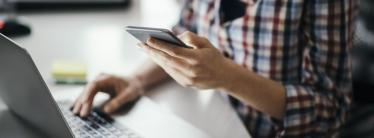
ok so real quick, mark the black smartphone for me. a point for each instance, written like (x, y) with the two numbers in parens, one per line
(144, 33)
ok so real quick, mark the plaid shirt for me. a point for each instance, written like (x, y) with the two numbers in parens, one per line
(305, 44)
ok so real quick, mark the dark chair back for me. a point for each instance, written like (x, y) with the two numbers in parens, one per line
(363, 54)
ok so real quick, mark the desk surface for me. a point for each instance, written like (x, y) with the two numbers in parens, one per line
(97, 37)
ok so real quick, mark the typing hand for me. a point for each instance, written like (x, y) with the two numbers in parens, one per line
(120, 89)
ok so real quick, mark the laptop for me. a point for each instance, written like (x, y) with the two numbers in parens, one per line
(27, 96)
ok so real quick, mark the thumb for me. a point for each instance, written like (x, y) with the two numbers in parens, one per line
(116, 102)
(191, 39)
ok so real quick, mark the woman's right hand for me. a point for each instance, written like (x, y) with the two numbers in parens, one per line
(121, 91)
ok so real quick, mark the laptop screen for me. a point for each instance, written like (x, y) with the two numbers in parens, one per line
(26, 94)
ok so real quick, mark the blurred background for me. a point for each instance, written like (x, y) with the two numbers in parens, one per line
(87, 31)
(92, 32)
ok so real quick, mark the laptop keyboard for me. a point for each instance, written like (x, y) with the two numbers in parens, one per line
(96, 125)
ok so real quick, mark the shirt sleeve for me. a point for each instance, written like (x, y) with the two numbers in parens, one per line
(187, 20)
(319, 104)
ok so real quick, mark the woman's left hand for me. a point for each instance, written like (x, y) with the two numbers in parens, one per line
(204, 67)
(201, 66)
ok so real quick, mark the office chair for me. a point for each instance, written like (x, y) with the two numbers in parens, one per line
(361, 116)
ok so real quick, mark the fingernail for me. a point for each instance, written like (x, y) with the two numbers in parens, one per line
(75, 112)
(83, 114)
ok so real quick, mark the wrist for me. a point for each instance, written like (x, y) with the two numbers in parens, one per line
(235, 79)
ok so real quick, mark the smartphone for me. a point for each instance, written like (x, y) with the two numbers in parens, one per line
(144, 33)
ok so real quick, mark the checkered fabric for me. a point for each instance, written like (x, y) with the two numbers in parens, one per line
(304, 44)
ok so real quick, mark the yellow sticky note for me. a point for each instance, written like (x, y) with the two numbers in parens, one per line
(69, 69)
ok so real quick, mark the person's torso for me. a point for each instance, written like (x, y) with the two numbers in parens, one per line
(263, 35)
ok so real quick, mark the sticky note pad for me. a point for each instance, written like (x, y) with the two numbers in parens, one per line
(69, 72)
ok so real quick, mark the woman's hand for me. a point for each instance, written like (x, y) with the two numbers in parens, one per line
(205, 67)
(121, 90)
(202, 66)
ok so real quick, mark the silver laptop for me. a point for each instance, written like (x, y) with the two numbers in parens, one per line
(27, 96)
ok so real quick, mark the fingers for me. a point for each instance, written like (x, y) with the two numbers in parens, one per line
(170, 49)
(82, 106)
(77, 108)
(194, 40)
(115, 103)
(170, 65)
(166, 60)
(120, 89)
(86, 109)
(179, 76)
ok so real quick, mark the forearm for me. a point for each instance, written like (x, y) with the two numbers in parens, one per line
(261, 93)
(150, 74)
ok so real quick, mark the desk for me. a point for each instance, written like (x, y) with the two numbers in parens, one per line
(97, 37)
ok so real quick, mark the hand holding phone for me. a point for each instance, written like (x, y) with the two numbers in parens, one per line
(144, 33)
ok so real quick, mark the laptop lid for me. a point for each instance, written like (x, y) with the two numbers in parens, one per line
(26, 94)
